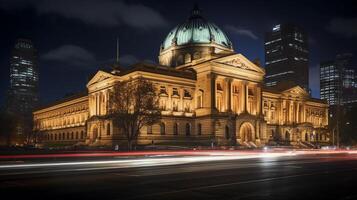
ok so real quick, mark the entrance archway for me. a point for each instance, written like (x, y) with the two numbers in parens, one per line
(246, 132)
(306, 137)
(94, 133)
(287, 136)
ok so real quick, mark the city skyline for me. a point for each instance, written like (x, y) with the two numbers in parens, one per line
(73, 46)
(186, 99)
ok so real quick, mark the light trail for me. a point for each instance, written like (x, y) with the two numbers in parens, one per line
(172, 153)
(145, 162)
(114, 154)
(188, 157)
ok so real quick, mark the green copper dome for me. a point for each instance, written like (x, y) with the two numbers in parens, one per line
(196, 30)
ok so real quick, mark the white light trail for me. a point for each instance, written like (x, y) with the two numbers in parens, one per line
(145, 162)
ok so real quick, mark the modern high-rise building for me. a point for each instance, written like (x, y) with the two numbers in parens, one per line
(23, 92)
(287, 55)
(338, 81)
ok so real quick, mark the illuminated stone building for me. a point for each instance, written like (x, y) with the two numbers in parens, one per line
(208, 93)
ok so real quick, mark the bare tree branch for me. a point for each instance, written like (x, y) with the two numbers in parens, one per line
(134, 104)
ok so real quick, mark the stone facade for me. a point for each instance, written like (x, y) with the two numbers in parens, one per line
(214, 96)
(220, 101)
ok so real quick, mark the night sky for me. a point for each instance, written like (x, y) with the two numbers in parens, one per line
(74, 38)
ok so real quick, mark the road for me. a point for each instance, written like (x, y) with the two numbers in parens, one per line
(281, 176)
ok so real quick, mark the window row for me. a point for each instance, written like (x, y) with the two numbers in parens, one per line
(66, 136)
(188, 129)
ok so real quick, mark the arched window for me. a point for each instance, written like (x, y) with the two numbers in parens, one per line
(149, 130)
(175, 129)
(200, 99)
(196, 55)
(219, 101)
(55, 136)
(63, 136)
(67, 136)
(72, 135)
(162, 129)
(226, 133)
(188, 129)
(95, 133)
(108, 129)
(187, 58)
(199, 129)
(179, 60)
(76, 135)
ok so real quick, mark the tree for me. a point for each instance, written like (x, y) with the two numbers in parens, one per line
(134, 104)
(349, 126)
(7, 128)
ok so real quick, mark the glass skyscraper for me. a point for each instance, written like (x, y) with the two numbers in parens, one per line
(338, 81)
(23, 92)
(287, 55)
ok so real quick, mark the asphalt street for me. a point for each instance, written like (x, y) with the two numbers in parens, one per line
(321, 176)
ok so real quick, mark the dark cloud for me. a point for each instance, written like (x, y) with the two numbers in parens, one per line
(241, 31)
(127, 60)
(99, 13)
(346, 27)
(71, 55)
(93, 25)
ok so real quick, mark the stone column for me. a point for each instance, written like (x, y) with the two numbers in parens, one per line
(242, 98)
(303, 113)
(212, 79)
(181, 93)
(228, 94)
(99, 103)
(288, 111)
(257, 130)
(246, 95)
(259, 100)
(107, 108)
(285, 115)
(326, 117)
(292, 106)
(96, 104)
(297, 112)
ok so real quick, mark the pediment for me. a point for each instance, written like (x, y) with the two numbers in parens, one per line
(99, 76)
(241, 62)
(296, 91)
